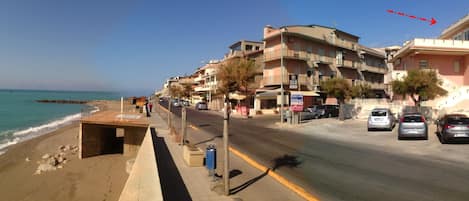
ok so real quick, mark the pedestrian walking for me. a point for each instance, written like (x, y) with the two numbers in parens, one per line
(151, 106)
(146, 109)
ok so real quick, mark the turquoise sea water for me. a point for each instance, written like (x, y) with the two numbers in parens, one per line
(22, 118)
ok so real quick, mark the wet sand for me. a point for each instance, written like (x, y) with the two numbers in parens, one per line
(92, 179)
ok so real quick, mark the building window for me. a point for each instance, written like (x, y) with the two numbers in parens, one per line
(248, 47)
(466, 35)
(423, 64)
(456, 67)
(257, 47)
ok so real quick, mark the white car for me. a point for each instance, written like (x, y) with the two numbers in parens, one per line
(381, 118)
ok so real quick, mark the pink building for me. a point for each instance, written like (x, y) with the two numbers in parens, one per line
(448, 55)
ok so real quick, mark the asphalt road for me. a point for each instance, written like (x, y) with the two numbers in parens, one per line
(334, 170)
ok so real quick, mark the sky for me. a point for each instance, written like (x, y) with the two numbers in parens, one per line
(133, 46)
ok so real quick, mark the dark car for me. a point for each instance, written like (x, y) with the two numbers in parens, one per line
(316, 110)
(412, 125)
(331, 111)
(453, 127)
(201, 106)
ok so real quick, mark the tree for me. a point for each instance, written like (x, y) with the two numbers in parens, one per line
(186, 91)
(236, 75)
(340, 89)
(362, 91)
(419, 85)
(175, 91)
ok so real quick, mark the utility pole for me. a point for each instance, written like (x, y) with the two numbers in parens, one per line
(169, 106)
(282, 89)
(183, 125)
(226, 168)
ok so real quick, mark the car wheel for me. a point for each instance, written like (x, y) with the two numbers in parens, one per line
(426, 137)
(369, 129)
(443, 140)
(399, 137)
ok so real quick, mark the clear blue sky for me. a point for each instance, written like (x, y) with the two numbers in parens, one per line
(134, 45)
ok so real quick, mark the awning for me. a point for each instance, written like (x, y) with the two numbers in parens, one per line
(237, 96)
(305, 93)
(266, 95)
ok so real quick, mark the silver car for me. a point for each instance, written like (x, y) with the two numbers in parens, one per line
(381, 118)
(453, 127)
(412, 125)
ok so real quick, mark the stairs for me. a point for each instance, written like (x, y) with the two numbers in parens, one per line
(456, 94)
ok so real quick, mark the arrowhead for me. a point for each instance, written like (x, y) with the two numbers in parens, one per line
(433, 21)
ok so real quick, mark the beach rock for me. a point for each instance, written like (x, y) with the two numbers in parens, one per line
(45, 167)
(45, 156)
(61, 147)
(60, 166)
(60, 159)
(68, 147)
(37, 172)
(51, 161)
(27, 159)
(65, 161)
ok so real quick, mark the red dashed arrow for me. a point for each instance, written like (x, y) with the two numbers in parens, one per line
(432, 20)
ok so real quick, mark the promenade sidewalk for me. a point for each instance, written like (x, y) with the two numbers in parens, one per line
(246, 183)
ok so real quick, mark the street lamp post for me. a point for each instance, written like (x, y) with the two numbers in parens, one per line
(282, 90)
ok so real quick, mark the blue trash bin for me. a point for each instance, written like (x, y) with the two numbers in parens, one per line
(211, 157)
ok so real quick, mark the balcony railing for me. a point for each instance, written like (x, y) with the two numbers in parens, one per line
(347, 64)
(373, 69)
(340, 43)
(303, 79)
(287, 54)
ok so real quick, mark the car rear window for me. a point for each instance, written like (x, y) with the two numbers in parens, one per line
(413, 118)
(458, 120)
(379, 113)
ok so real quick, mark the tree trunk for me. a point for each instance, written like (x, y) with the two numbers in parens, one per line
(341, 109)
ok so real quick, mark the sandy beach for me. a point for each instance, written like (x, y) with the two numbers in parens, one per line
(96, 178)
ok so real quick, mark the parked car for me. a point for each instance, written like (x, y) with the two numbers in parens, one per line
(177, 103)
(412, 125)
(185, 103)
(201, 106)
(306, 114)
(381, 118)
(317, 111)
(453, 127)
(331, 111)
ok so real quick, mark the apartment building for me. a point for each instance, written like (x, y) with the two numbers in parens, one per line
(205, 83)
(448, 55)
(311, 54)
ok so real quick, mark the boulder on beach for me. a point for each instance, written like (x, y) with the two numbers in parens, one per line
(45, 156)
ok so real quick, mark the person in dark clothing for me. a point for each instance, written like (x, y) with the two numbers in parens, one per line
(146, 109)
(151, 106)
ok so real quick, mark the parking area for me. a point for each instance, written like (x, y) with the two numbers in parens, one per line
(356, 131)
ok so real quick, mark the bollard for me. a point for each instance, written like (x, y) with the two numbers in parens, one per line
(211, 159)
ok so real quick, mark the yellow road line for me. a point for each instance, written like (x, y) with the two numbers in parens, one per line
(295, 188)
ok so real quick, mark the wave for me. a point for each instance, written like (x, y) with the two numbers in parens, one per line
(12, 137)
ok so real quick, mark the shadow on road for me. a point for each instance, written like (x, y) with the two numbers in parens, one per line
(172, 185)
(285, 160)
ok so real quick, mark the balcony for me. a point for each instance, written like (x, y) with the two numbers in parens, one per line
(373, 69)
(347, 64)
(287, 54)
(340, 43)
(303, 80)
(199, 79)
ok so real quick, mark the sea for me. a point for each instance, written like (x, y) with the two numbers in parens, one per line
(22, 118)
